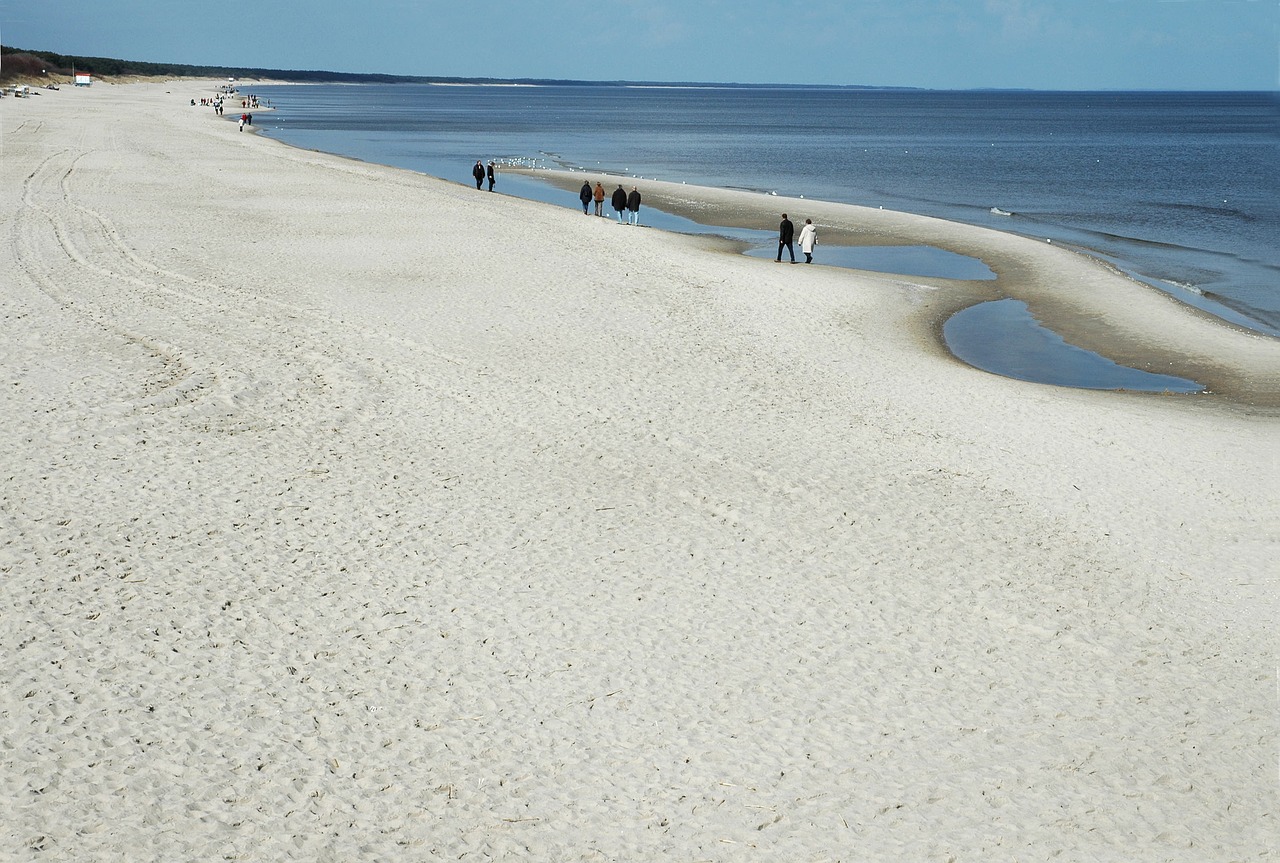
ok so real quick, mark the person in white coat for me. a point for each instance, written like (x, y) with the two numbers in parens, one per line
(808, 239)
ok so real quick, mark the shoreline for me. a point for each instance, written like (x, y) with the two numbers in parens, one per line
(1102, 310)
(351, 513)
(1189, 266)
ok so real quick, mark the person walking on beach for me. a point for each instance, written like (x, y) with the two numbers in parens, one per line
(489, 174)
(478, 173)
(633, 206)
(808, 239)
(786, 237)
(619, 201)
(584, 195)
(598, 197)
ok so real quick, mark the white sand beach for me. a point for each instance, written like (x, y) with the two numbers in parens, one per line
(351, 514)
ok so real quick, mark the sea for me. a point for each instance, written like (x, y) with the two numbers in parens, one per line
(1180, 189)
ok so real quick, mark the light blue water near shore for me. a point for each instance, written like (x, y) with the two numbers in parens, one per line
(1030, 352)
(1180, 188)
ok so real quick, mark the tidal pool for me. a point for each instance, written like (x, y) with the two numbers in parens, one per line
(1002, 337)
(928, 261)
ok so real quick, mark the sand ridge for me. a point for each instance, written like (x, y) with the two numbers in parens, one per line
(1084, 299)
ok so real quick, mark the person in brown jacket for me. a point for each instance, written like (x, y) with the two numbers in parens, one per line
(599, 199)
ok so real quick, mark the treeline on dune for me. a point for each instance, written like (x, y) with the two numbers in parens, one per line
(25, 66)
(38, 67)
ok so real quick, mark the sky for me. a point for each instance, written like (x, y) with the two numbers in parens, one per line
(939, 44)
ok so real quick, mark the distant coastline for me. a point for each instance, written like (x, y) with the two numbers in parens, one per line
(29, 63)
(29, 66)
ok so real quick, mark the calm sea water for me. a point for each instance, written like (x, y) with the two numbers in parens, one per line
(1178, 187)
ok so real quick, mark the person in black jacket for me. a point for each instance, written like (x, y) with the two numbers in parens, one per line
(490, 174)
(478, 173)
(633, 205)
(786, 237)
(584, 195)
(619, 201)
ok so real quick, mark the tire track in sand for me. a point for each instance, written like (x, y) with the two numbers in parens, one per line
(80, 259)
(62, 253)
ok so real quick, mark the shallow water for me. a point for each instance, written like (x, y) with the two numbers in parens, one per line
(1003, 337)
(928, 261)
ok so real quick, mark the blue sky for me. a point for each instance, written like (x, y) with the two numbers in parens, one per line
(1042, 44)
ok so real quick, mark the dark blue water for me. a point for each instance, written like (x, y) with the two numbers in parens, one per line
(1182, 188)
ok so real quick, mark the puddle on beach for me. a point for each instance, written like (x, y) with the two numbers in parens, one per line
(1003, 338)
(927, 261)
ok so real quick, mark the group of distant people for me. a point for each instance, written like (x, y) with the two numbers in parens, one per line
(621, 200)
(214, 102)
(787, 235)
(481, 173)
(627, 206)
